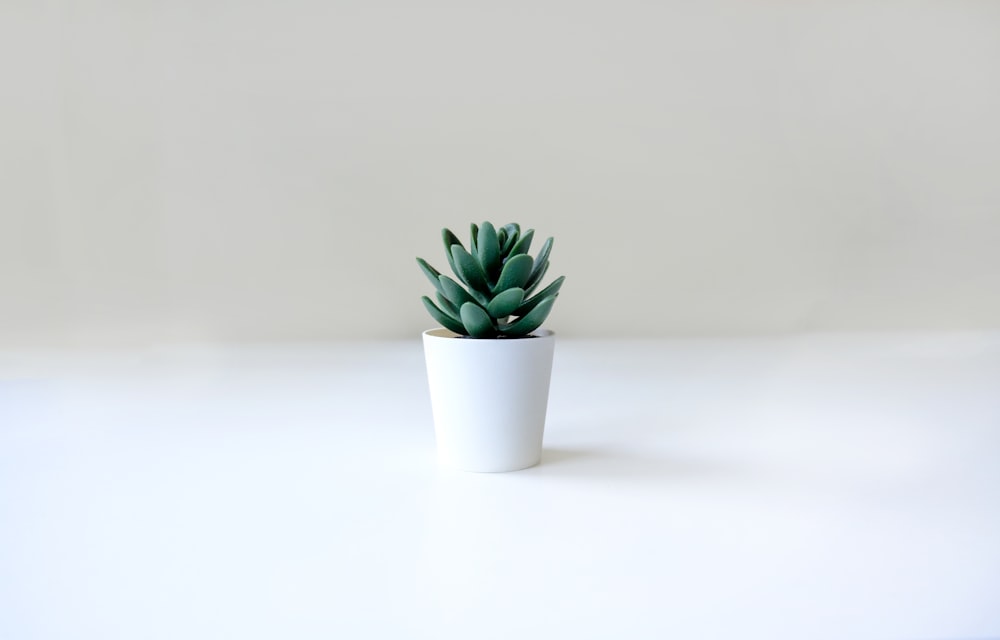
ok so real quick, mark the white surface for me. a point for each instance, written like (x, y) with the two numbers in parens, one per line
(488, 399)
(821, 487)
(241, 171)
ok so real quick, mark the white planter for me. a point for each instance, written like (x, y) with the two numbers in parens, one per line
(489, 398)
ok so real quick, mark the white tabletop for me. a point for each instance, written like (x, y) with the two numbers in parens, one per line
(810, 487)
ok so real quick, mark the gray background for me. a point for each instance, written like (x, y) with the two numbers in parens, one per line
(199, 171)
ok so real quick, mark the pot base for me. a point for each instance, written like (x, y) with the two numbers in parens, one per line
(445, 463)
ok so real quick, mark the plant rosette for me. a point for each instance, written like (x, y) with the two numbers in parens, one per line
(490, 365)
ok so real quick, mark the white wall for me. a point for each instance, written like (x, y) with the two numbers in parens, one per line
(177, 171)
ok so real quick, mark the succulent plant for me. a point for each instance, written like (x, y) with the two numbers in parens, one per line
(499, 277)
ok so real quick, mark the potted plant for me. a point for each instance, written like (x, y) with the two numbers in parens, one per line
(489, 366)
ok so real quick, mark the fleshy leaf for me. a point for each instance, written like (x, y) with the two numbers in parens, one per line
(533, 301)
(536, 279)
(455, 292)
(473, 235)
(431, 273)
(448, 306)
(513, 233)
(540, 260)
(531, 321)
(468, 269)
(489, 251)
(477, 322)
(523, 244)
(515, 273)
(506, 303)
(443, 318)
(450, 239)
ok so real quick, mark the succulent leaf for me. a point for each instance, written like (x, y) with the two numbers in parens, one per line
(489, 251)
(448, 306)
(534, 300)
(536, 279)
(523, 244)
(443, 318)
(477, 322)
(513, 232)
(505, 303)
(459, 296)
(449, 240)
(515, 273)
(473, 234)
(541, 259)
(531, 321)
(432, 274)
(467, 268)
(455, 292)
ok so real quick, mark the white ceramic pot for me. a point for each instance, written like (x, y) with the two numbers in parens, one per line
(489, 398)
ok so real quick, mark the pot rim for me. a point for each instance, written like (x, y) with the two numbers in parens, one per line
(440, 333)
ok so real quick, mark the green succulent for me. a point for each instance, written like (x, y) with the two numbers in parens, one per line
(499, 277)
